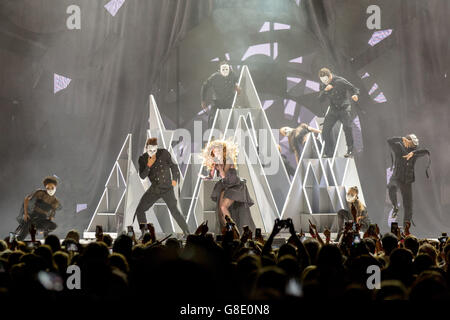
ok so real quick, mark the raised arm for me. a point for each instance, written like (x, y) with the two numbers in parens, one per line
(311, 129)
(298, 243)
(322, 93)
(350, 87)
(395, 143)
(144, 169)
(268, 245)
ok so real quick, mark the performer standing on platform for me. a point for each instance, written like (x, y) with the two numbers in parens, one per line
(224, 83)
(39, 209)
(156, 164)
(230, 192)
(336, 89)
(405, 153)
(297, 136)
(356, 212)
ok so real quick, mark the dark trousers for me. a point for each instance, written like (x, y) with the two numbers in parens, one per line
(333, 116)
(40, 223)
(217, 105)
(406, 192)
(151, 196)
(345, 215)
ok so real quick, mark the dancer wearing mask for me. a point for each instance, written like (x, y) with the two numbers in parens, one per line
(156, 164)
(297, 137)
(356, 212)
(337, 90)
(224, 84)
(39, 209)
(405, 153)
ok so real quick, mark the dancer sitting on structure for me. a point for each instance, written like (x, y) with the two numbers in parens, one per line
(39, 209)
(297, 136)
(224, 84)
(405, 153)
(356, 212)
(156, 164)
(230, 192)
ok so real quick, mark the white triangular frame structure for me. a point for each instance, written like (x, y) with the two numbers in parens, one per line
(248, 115)
(110, 211)
(319, 185)
(316, 192)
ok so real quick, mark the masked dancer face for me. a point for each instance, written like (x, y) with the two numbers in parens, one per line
(51, 189)
(410, 141)
(285, 131)
(352, 195)
(151, 149)
(325, 79)
(225, 70)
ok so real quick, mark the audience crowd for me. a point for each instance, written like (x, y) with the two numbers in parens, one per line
(230, 266)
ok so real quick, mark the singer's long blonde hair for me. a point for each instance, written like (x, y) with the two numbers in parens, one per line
(230, 151)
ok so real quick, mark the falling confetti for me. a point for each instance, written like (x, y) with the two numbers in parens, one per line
(60, 82)
(81, 207)
(113, 6)
(380, 98)
(378, 36)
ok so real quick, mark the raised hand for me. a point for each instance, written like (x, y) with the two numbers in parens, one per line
(327, 233)
(151, 160)
(276, 227)
(291, 226)
(202, 228)
(409, 156)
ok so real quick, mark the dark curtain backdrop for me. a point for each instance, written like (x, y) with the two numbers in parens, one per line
(165, 47)
(77, 133)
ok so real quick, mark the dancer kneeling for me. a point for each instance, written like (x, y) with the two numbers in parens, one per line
(39, 209)
(230, 192)
(356, 212)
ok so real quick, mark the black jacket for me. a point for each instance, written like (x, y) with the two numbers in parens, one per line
(223, 87)
(404, 169)
(162, 172)
(338, 95)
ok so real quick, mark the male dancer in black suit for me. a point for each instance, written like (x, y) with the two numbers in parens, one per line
(156, 164)
(337, 90)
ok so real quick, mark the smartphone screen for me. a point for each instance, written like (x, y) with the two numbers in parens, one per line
(72, 247)
(394, 227)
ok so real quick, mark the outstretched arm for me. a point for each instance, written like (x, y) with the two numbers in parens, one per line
(298, 243)
(311, 129)
(420, 153)
(268, 245)
(144, 169)
(350, 87)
